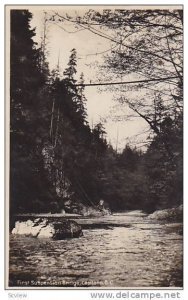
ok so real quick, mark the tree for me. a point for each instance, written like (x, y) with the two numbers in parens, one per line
(147, 44)
(165, 175)
(70, 71)
(129, 158)
(81, 101)
(28, 120)
(55, 155)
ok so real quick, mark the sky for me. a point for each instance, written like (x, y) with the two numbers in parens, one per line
(101, 106)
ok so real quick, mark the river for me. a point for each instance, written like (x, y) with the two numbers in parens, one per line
(124, 250)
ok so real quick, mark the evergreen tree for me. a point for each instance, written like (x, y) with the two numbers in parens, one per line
(70, 71)
(28, 119)
(81, 99)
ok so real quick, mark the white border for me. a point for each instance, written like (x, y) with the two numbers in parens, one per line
(81, 294)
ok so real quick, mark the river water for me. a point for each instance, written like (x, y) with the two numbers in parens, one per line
(122, 250)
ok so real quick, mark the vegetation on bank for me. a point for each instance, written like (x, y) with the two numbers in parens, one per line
(58, 162)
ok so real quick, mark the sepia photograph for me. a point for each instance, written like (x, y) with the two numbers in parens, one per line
(94, 146)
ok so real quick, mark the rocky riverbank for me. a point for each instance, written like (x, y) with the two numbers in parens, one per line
(171, 215)
(45, 228)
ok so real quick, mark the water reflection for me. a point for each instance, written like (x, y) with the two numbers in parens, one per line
(122, 250)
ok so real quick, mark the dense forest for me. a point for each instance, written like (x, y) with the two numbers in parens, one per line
(57, 158)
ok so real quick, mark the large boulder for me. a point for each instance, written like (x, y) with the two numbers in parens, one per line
(43, 228)
(172, 214)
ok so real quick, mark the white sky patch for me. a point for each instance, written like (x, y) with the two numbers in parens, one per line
(61, 39)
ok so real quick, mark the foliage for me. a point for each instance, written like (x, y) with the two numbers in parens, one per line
(28, 119)
(56, 158)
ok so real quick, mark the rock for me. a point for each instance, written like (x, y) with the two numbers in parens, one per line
(104, 207)
(171, 214)
(24, 228)
(74, 207)
(67, 229)
(68, 206)
(63, 212)
(46, 232)
(94, 212)
(42, 228)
